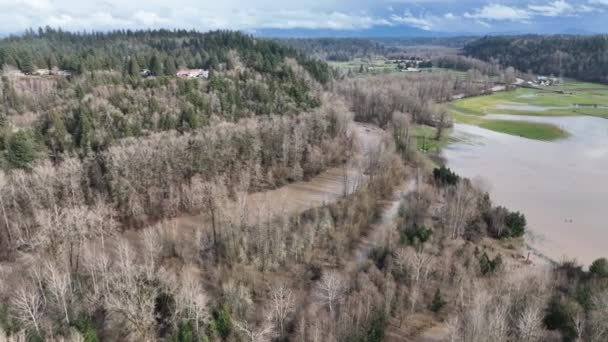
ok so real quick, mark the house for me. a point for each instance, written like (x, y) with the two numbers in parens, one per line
(63, 73)
(41, 72)
(193, 73)
(547, 81)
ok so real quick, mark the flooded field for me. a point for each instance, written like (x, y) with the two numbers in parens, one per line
(560, 186)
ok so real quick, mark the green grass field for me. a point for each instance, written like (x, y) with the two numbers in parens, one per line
(525, 129)
(524, 101)
(575, 93)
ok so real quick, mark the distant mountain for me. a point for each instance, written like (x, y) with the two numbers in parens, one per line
(577, 31)
(374, 32)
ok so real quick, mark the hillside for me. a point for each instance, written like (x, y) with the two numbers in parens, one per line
(580, 57)
(80, 92)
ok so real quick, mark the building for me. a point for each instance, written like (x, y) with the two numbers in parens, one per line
(193, 73)
(41, 72)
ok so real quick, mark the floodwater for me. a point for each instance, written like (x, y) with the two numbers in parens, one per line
(533, 108)
(560, 186)
(325, 188)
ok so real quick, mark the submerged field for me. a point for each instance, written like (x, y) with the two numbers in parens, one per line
(569, 99)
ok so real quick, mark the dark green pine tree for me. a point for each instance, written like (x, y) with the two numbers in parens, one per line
(437, 302)
(51, 62)
(170, 69)
(21, 149)
(26, 65)
(133, 68)
(155, 66)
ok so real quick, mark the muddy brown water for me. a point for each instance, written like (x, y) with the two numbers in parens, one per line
(560, 186)
(327, 187)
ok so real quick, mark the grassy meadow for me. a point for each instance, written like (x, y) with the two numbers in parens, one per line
(568, 99)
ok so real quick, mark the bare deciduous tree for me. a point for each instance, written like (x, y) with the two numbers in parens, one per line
(27, 303)
(282, 305)
(330, 289)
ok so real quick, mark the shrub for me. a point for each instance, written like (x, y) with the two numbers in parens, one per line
(516, 222)
(416, 235)
(437, 302)
(21, 149)
(85, 326)
(445, 176)
(223, 322)
(487, 265)
(599, 268)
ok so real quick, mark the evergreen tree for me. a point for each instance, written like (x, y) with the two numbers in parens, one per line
(133, 69)
(437, 302)
(170, 69)
(21, 149)
(155, 66)
(26, 65)
(52, 61)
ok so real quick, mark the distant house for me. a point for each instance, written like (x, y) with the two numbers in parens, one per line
(63, 73)
(410, 69)
(193, 73)
(146, 73)
(547, 81)
(41, 72)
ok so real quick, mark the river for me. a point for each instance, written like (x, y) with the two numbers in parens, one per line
(560, 186)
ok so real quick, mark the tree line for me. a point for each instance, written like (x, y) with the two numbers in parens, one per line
(580, 57)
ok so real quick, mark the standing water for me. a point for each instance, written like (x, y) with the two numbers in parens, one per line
(561, 187)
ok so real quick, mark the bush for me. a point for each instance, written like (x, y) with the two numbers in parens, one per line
(599, 268)
(437, 302)
(223, 322)
(503, 223)
(445, 176)
(487, 265)
(21, 149)
(416, 235)
(516, 222)
(85, 326)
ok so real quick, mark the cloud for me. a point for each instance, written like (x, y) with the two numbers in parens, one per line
(499, 12)
(252, 15)
(408, 19)
(552, 9)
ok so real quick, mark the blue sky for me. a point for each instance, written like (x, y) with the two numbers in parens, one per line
(355, 17)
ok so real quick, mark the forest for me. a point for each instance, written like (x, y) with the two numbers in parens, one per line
(580, 57)
(274, 200)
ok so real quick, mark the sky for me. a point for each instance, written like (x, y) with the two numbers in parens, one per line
(312, 17)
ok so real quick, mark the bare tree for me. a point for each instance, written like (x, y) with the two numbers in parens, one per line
(330, 289)
(191, 299)
(529, 323)
(282, 305)
(459, 208)
(255, 334)
(28, 305)
(59, 283)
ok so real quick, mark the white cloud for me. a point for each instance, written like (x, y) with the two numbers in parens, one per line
(408, 19)
(483, 23)
(449, 16)
(16, 15)
(598, 2)
(499, 12)
(552, 9)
